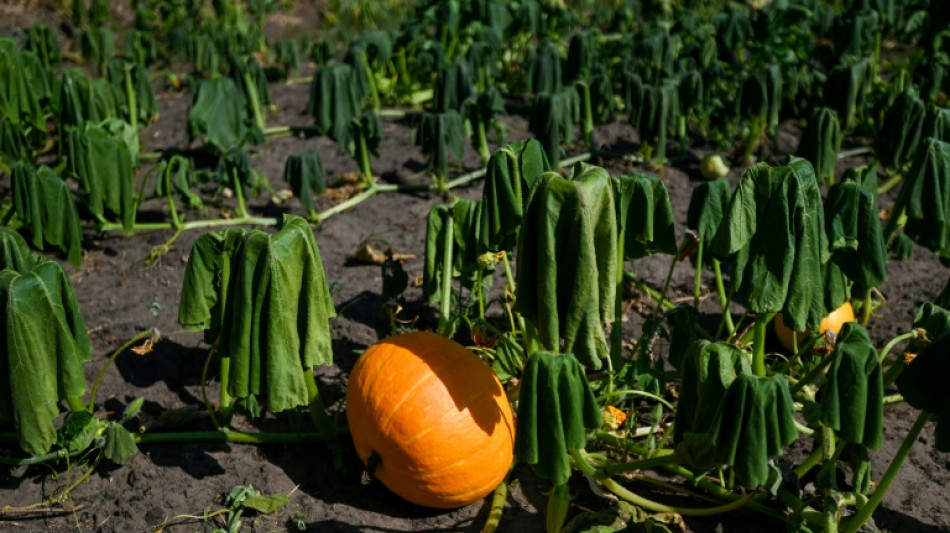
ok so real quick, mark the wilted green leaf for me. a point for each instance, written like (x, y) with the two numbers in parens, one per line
(45, 344)
(219, 115)
(306, 177)
(754, 423)
(553, 116)
(511, 174)
(119, 446)
(854, 231)
(439, 135)
(556, 409)
(44, 203)
(644, 215)
(567, 262)
(924, 385)
(925, 198)
(334, 101)
(852, 400)
(821, 142)
(78, 431)
(903, 122)
(265, 299)
(103, 167)
(266, 504)
(773, 233)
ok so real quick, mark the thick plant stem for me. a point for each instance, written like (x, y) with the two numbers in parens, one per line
(255, 102)
(616, 330)
(854, 523)
(827, 478)
(481, 141)
(758, 344)
(448, 249)
(362, 158)
(697, 281)
(112, 358)
(238, 188)
(497, 507)
(724, 299)
(224, 396)
(234, 437)
(130, 99)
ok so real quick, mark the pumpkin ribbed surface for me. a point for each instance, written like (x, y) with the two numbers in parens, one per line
(430, 420)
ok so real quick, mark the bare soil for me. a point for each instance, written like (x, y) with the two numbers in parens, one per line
(121, 296)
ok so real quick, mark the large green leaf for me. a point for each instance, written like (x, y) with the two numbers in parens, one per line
(334, 101)
(469, 241)
(773, 233)
(103, 167)
(512, 172)
(924, 385)
(854, 231)
(903, 124)
(753, 423)
(440, 135)
(925, 198)
(821, 142)
(761, 96)
(265, 300)
(84, 100)
(18, 101)
(132, 79)
(852, 399)
(707, 206)
(44, 344)
(707, 371)
(44, 203)
(567, 262)
(556, 409)
(846, 89)
(219, 115)
(306, 177)
(40, 39)
(453, 86)
(553, 116)
(644, 215)
(544, 69)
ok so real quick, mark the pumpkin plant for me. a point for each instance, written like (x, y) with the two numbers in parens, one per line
(219, 115)
(43, 203)
(440, 135)
(306, 177)
(430, 420)
(102, 165)
(773, 236)
(553, 116)
(45, 344)
(821, 142)
(264, 304)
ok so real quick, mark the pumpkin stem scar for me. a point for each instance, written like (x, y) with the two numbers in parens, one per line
(372, 462)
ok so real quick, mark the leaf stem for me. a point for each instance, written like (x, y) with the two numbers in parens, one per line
(497, 506)
(448, 251)
(95, 384)
(758, 343)
(852, 524)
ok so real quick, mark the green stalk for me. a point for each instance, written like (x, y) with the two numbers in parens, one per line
(844, 154)
(481, 140)
(224, 396)
(255, 102)
(238, 194)
(362, 158)
(724, 299)
(758, 343)
(234, 437)
(854, 523)
(38, 459)
(497, 506)
(204, 388)
(697, 281)
(666, 284)
(371, 81)
(826, 477)
(616, 330)
(278, 131)
(130, 99)
(668, 458)
(587, 116)
(112, 358)
(811, 376)
(448, 249)
(652, 293)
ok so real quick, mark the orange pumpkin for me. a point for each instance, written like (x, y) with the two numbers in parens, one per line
(833, 321)
(430, 420)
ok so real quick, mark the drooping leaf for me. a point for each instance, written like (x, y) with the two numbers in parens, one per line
(132, 79)
(644, 214)
(306, 177)
(761, 96)
(753, 424)
(334, 101)
(366, 135)
(707, 371)
(511, 174)
(84, 100)
(923, 385)
(219, 115)
(707, 206)
(821, 142)
(266, 504)
(103, 167)
(40, 39)
(925, 198)
(119, 446)
(468, 243)
(44, 343)
(44, 203)
(440, 135)
(854, 232)
(852, 399)
(553, 116)
(235, 171)
(176, 178)
(773, 234)
(265, 300)
(453, 86)
(903, 122)
(846, 90)
(97, 44)
(78, 431)
(567, 262)
(544, 69)
(556, 409)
